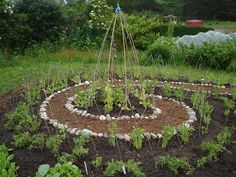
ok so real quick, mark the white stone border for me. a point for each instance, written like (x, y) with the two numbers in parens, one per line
(76, 131)
(195, 84)
(70, 107)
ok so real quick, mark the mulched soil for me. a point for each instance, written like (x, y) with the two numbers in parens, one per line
(28, 161)
(172, 114)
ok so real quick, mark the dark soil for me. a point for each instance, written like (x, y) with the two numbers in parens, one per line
(28, 161)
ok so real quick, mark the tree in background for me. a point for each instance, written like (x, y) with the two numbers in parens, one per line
(45, 18)
(13, 28)
(171, 7)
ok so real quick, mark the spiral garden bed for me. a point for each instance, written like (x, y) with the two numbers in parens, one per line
(62, 117)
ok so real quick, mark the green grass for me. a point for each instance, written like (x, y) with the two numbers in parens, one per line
(66, 63)
(221, 24)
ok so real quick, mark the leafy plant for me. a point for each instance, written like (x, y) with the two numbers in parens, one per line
(108, 99)
(213, 150)
(119, 97)
(168, 133)
(54, 142)
(143, 98)
(80, 142)
(7, 168)
(22, 140)
(66, 169)
(134, 168)
(21, 121)
(112, 130)
(38, 141)
(175, 164)
(179, 93)
(149, 86)
(85, 97)
(167, 91)
(185, 133)
(137, 137)
(97, 162)
(113, 167)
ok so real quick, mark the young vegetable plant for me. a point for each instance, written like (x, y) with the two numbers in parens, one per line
(185, 132)
(137, 137)
(97, 162)
(20, 120)
(54, 142)
(179, 93)
(168, 133)
(112, 130)
(167, 91)
(214, 147)
(80, 142)
(7, 168)
(85, 97)
(108, 98)
(175, 164)
(60, 169)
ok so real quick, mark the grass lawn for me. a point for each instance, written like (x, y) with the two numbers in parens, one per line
(68, 63)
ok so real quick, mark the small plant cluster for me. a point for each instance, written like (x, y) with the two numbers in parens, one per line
(33, 93)
(175, 164)
(179, 93)
(54, 142)
(7, 168)
(60, 169)
(214, 147)
(200, 103)
(168, 133)
(20, 120)
(137, 137)
(85, 97)
(78, 151)
(229, 106)
(116, 166)
(112, 130)
(185, 132)
(97, 162)
(57, 84)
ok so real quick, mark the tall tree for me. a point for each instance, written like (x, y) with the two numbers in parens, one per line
(45, 18)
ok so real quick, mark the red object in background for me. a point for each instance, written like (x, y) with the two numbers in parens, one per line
(194, 23)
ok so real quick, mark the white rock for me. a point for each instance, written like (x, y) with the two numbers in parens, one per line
(102, 117)
(93, 134)
(189, 121)
(84, 113)
(186, 125)
(86, 82)
(159, 135)
(137, 116)
(80, 112)
(120, 136)
(78, 132)
(193, 118)
(108, 117)
(86, 131)
(73, 131)
(223, 87)
(100, 135)
(127, 137)
(153, 136)
(147, 135)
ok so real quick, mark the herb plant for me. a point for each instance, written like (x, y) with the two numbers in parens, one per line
(112, 130)
(167, 91)
(137, 137)
(168, 133)
(7, 168)
(184, 133)
(97, 162)
(175, 164)
(54, 142)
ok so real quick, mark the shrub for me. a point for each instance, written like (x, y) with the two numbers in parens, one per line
(218, 56)
(159, 53)
(174, 164)
(7, 168)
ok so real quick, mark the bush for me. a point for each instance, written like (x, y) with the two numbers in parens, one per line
(159, 53)
(218, 56)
